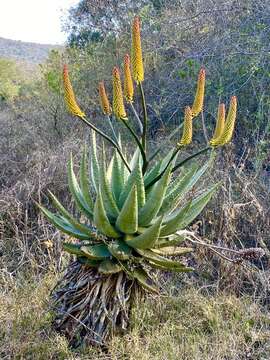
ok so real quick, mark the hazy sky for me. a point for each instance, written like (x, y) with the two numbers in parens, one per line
(33, 20)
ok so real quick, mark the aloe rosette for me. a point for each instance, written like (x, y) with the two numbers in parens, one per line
(134, 208)
(134, 225)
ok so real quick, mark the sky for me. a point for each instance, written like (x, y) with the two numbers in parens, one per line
(33, 20)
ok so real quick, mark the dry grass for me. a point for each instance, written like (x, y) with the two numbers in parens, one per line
(190, 325)
(229, 323)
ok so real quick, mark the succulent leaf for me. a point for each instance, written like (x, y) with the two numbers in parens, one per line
(101, 219)
(88, 262)
(176, 269)
(118, 176)
(155, 199)
(179, 189)
(96, 252)
(64, 226)
(105, 190)
(135, 159)
(135, 178)
(109, 170)
(73, 249)
(66, 214)
(197, 206)
(76, 192)
(109, 267)
(167, 241)
(84, 181)
(120, 250)
(147, 239)
(172, 251)
(94, 165)
(152, 173)
(144, 280)
(183, 217)
(160, 260)
(127, 220)
(182, 187)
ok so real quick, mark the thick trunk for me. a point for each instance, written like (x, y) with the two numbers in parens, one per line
(90, 307)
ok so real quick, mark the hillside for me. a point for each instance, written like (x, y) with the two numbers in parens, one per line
(25, 51)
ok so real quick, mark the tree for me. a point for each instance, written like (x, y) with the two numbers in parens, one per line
(9, 80)
(91, 20)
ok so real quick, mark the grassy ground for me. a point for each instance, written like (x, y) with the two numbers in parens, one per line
(190, 325)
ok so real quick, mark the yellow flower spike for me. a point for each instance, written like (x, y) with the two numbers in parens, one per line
(199, 97)
(104, 101)
(136, 52)
(128, 83)
(227, 133)
(220, 123)
(118, 101)
(70, 99)
(187, 131)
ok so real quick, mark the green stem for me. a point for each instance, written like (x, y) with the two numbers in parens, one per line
(110, 140)
(137, 118)
(191, 157)
(145, 120)
(164, 142)
(113, 131)
(178, 165)
(166, 167)
(145, 162)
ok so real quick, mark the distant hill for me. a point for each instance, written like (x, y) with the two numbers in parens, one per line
(25, 51)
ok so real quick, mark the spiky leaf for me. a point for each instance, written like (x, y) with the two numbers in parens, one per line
(197, 206)
(88, 262)
(172, 223)
(106, 193)
(147, 239)
(155, 199)
(152, 173)
(184, 185)
(135, 178)
(172, 251)
(77, 193)
(94, 165)
(101, 219)
(120, 250)
(127, 221)
(172, 240)
(84, 181)
(176, 269)
(118, 177)
(160, 260)
(109, 267)
(136, 158)
(144, 280)
(64, 226)
(73, 249)
(67, 215)
(187, 214)
(96, 252)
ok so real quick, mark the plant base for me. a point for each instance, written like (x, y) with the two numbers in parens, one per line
(90, 307)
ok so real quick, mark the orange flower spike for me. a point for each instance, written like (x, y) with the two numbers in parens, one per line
(136, 51)
(199, 97)
(220, 123)
(128, 83)
(69, 95)
(104, 101)
(187, 131)
(118, 100)
(227, 134)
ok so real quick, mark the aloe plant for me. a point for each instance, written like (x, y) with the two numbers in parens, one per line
(134, 211)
